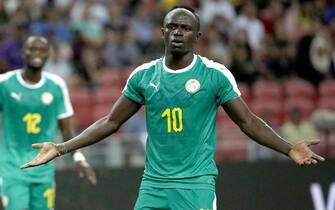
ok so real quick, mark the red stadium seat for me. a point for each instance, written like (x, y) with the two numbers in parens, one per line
(231, 142)
(126, 73)
(306, 105)
(269, 110)
(107, 95)
(82, 103)
(245, 92)
(101, 110)
(83, 117)
(264, 89)
(221, 114)
(80, 97)
(111, 77)
(232, 145)
(327, 88)
(326, 103)
(327, 145)
(299, 88)
(224, 122)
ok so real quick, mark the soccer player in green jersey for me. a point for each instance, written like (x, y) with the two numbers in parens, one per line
(182, 92)
(33, 104)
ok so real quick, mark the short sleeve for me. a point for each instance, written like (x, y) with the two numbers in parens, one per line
(64, 106)
(1, 95)
(227, 87)
(3, 78)
(132, 89)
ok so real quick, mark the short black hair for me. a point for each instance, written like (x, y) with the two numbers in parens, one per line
(192, 10)
(30, 36)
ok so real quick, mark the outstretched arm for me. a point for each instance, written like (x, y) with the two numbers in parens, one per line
(121, 111)
(258, 130)
(84, 169)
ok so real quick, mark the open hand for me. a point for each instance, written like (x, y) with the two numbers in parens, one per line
(303, 155)
(49, 152)
(86, 171)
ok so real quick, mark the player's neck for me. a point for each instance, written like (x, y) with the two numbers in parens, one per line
(31, 76)
(178, 62)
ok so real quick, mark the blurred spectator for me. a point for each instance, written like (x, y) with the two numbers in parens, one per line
(62, 6)
(3, 14)
(98, 11)
(19, 15)
(193, 3)
(308, 13)
(23, 12)
(280, 33)
(141, 26)
(243, 66)
(155, 47)
(329, 11)
(217, 48)
(85, 61)
(120, 48)
(282, 62)
(168, 4)
(51, 27)
(290, 20)
(296, 128)
(129, 6)
(155, 9)
(222, 26)
(271, 14)
(58, 63)
(10, 48)
(212, 9)
(248, 21)
(88, 26)
(331, 27)
(315, 56)
(117, 15)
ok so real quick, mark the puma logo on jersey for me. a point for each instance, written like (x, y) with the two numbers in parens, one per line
(17, 96)
(153, 85)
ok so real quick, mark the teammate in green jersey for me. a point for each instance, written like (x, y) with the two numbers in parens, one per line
(182, 93)
(33, 104)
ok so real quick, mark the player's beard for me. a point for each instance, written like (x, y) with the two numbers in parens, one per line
(178, 53)
(34, 68)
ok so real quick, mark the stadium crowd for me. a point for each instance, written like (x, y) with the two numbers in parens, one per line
(272, 47)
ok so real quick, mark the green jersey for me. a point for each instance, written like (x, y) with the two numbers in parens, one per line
(181, 109)
(30, 114)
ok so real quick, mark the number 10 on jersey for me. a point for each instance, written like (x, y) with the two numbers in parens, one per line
(176, 116)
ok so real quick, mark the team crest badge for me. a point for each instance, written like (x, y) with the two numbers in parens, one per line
(47, 98)
(192, 86)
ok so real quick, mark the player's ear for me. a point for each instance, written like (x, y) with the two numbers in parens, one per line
(163, 32)
(198, 35)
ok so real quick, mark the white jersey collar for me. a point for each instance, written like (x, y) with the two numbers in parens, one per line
(180, 70)
(27, 85)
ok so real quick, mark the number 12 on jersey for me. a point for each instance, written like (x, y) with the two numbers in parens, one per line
(176, 116)
(32, 120)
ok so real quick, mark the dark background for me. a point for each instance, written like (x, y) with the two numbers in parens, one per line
(240, 186)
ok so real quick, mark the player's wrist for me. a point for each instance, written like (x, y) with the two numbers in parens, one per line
(288, 149)
(61, 149)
